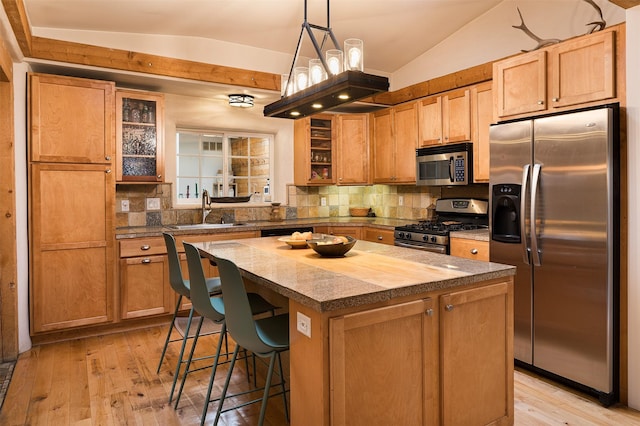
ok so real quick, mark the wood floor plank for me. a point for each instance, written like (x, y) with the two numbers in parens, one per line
(112, 380)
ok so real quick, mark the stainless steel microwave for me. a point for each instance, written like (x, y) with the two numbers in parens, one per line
(450, 164)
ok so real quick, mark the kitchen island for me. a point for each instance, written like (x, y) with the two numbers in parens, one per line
(389, 335)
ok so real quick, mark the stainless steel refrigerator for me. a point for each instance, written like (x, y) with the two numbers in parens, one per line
(554, 214)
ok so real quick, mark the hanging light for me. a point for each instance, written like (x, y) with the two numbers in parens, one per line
(242, 101)
(330, 80)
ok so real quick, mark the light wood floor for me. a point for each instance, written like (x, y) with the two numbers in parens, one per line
(112, 380)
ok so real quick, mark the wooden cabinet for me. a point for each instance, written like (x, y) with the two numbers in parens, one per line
(470, 249)
(70, 119)
(313, 148)
(352, 156)
(445, 119)
(455, 366)
(481, 119)
(144, 278)
(476, 356)
(395, 133)
(71, 202)
(71, 254)
(384, 357)
(140, 137)
(575, 72)
(377, 235)
(351, 231)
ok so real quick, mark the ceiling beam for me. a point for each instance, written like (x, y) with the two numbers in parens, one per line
(19, 23)
(625, 4)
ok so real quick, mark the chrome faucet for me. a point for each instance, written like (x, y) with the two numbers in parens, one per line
(206, 201)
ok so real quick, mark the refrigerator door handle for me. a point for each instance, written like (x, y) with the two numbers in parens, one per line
(523, 209)
(535, 178)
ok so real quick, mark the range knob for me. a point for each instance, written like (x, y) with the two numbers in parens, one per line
(400, 234)
(425, 238)
(434, 239)
(408, 236)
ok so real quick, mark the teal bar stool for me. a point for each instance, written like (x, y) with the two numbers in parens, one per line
(182, 288)
(215, 309)
(266, 337)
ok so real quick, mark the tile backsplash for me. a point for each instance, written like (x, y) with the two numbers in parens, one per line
(402, 202)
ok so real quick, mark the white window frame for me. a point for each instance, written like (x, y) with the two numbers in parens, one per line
(226, 159)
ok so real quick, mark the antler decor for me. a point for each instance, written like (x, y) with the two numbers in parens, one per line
(527, 31)
(597, 26)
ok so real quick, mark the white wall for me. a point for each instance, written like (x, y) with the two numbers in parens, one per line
(633, 135)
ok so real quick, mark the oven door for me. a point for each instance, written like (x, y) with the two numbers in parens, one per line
(433, 248)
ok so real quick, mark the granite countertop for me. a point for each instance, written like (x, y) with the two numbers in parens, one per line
(369, 273)
(156, 231)
(475, 234)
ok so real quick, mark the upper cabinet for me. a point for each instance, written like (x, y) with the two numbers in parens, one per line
(314, 142)
(140, 135)
(481, 119)
(395, 135)
(71, 119)
(445, 118)
(352, 156)
(575, 72)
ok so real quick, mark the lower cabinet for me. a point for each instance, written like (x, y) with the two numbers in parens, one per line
(351, 231)
(445, 359)
(378, 235)
(470, 249)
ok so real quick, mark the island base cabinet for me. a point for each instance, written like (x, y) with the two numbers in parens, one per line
(381, 366)
(476, 356)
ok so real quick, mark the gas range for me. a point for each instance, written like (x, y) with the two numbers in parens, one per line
(452, 214)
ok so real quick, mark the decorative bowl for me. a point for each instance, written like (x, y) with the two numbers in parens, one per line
(331, 246)
(296, 244)
(359, 211)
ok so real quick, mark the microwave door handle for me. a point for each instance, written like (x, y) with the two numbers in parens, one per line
(535, 179)
(451, 171)
(523, 208)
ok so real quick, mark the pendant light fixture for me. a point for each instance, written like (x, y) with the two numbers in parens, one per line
(330, 80)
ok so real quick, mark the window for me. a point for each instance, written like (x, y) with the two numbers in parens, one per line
(222, 163)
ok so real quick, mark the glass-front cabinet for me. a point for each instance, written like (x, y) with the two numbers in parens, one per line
(140, 136)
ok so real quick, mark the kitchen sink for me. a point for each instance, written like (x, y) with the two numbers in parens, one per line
(206, 226)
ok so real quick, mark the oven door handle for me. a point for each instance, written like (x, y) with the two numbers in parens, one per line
(451, 169)
(433, 248)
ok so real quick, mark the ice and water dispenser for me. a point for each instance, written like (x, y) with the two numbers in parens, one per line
(505, 213)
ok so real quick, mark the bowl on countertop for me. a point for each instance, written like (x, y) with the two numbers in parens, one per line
(359, 211)
(331, 246)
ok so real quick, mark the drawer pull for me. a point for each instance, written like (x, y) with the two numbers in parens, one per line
(474, 251)
(379, 237)
(448, 308)
(145, 261)
(145, 247)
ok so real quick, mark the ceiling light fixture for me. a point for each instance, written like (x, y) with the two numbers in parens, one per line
(328, 81)
(242, 101)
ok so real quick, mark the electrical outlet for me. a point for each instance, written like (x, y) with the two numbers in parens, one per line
(124, 205)
(303, 324)
(153, 203)
(323, 201)
(400, 200)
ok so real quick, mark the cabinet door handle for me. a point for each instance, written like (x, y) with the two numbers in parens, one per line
(159, 176)
(107, 171)
(555, 99)
(474, 251)
(145, 261)
(108, 158)
(448, 308)
(540, 102)
(145, 247)
(429, 312)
